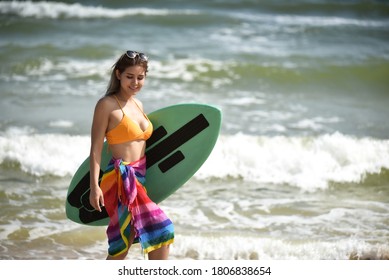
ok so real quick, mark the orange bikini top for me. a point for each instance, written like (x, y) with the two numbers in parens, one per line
(128, 130)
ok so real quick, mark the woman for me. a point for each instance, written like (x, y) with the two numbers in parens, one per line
(119, 118)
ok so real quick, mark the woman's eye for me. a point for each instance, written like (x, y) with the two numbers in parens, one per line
(139, 78)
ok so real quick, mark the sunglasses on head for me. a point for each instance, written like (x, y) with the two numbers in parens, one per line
(134, 54)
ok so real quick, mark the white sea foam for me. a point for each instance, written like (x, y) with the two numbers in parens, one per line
(242, 247)
(46, 9)
(52, 9)
(61, 123)
(61, 71)
(190, 69)
(275, 21)
(314, 124)
(67, 69)
(309, 163)
(43, 154)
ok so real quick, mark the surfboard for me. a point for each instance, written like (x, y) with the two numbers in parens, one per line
(184, 136)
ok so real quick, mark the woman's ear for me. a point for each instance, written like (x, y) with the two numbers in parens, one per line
(117, 72)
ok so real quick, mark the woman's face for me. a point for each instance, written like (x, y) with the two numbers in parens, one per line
(131, 79)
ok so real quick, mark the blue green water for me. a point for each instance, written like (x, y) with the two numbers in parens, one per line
(300, 168)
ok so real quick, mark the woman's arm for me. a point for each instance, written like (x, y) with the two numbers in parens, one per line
(99, 127)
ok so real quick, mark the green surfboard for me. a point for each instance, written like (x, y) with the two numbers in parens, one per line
(183, 138)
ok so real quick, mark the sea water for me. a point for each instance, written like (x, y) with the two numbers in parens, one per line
(301, 167)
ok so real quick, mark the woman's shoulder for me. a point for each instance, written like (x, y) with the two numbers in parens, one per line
(105, 103)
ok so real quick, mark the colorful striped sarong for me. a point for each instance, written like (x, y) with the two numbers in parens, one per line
(127, 204)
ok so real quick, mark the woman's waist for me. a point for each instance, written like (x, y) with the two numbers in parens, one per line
(128, 152)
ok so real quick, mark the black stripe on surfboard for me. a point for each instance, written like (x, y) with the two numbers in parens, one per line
(79, 198)
(157, 135)
(75, 198)
(171, 161)
(176, 139)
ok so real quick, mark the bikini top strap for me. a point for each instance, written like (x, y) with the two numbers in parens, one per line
(121, 108)
(136, 103)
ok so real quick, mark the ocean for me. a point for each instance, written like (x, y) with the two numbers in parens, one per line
(300, 170)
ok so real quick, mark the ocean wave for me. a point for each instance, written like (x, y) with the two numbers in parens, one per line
(315, 21)
(271, 19)
(48, 69)
(54, 10)
(309, 163)
(254, 248)
(210, 72)
(42, 154)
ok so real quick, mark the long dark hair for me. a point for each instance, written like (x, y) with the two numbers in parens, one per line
(121, 65)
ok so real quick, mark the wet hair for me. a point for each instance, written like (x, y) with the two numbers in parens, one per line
(121, 65)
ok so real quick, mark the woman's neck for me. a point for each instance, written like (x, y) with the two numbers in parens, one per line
(123, 97)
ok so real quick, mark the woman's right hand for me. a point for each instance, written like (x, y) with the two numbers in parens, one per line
(96, 198)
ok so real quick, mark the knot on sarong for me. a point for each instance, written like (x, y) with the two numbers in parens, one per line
(128, 174)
